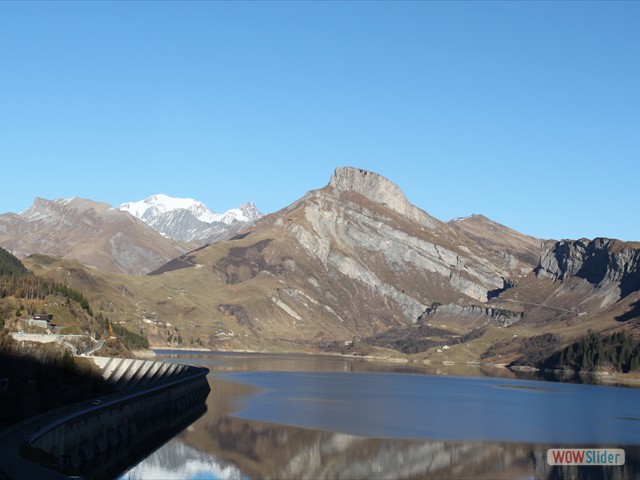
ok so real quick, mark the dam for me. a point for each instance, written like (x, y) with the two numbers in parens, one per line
(101, 438)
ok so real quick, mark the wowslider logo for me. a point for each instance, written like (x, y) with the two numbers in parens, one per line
(585, 456)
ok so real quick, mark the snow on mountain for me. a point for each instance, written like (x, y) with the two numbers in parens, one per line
(189, 220)
(176, 460)
(93, 233)
(160, 204)
(247, 212)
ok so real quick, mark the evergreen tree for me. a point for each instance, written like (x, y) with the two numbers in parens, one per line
(10, 265)
(618, 351)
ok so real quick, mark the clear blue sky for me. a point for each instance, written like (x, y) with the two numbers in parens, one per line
(526, 112)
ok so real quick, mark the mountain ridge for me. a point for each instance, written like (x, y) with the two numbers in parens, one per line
(346, 240)
(188, 220)
(343, 251)
(95, 233)
(491, 234)
(353, 262)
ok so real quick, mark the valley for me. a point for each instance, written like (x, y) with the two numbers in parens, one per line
(354, 268)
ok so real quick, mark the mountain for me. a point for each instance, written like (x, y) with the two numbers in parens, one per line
(605, 263)
(608, 269)
(354, 267)
(353, 258)
(489, 234)
(95, 234)
(188, 220)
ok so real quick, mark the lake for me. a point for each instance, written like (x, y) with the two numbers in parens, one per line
(304, 416)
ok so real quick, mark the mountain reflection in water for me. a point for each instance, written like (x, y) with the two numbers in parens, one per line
(386, 405)
(223, 445)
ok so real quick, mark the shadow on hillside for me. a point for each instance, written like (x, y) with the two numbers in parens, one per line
(30, 386)
(631, 314)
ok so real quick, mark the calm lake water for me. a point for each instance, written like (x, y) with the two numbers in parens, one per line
(299, 416)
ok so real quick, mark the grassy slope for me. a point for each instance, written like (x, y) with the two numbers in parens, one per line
(188, 300)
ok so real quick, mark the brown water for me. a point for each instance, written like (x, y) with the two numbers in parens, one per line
(300, 416)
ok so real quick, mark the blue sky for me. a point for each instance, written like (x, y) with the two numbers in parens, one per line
(526, 112)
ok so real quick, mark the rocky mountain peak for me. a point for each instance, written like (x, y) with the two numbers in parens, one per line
(474, 217)
(379, 190)
(372, 185)
(160, 204)
(250, 211)
(188, 220)
(495, 236)
(69, 209)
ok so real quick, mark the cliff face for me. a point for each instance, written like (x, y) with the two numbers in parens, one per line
(379, 190)
(605, 263)
(474, 315)
(362, 227)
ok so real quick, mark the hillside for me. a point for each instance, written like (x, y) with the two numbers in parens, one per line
(25, 295)
(353, 267)
(10, 266)
(37, 376)
(492, 235)
(93, 233)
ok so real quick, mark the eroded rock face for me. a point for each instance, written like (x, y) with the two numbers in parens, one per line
(344, 234)
(377, 260)
(496, 315)
(351, 259)
(602, 262)
(379, 190)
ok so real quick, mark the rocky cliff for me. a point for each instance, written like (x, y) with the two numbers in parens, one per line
(352, 258)
(603, 262)
(378, 190)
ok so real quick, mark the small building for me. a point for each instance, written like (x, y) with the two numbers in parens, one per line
(42, 320)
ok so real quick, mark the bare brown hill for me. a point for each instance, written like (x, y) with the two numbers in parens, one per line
(96, 234)
(497, 237)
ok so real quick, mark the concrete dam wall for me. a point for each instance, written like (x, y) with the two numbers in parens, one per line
(156, 400)
(126, 374)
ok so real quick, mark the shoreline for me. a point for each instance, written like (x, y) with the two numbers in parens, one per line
(631, 380)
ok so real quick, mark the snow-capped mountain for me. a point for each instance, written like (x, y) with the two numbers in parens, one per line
(189, 220)
(93, 233)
